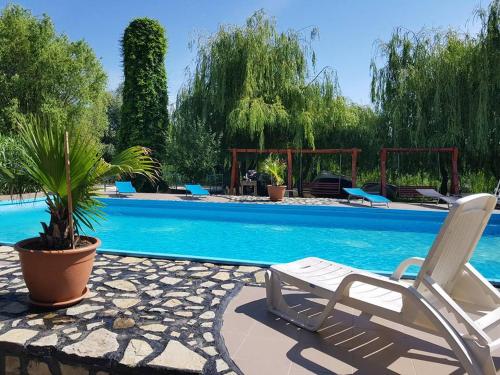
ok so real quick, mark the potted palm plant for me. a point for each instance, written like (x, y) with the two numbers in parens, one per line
(67, 166)
(275, 168)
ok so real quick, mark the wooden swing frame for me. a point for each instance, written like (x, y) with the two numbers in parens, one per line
(289, 152)
(454, 188)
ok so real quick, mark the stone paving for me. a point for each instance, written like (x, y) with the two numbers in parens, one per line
(285, 201)
(141, 313)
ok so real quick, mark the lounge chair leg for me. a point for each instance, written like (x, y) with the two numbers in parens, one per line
(483, 355)
(474, 359)
(277, 305)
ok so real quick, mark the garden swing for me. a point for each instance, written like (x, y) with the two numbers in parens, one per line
(327, 183)
(288, 153)
(410, 191)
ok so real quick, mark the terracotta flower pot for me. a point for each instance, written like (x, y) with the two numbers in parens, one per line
(56, 278)
(276, 193)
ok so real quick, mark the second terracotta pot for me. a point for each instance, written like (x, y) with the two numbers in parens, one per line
(276, 193)
(56, 278)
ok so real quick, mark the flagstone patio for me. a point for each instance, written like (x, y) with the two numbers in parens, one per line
(141, 316)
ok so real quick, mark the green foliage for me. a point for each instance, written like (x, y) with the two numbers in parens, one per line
(478, 182)
(365, 176)
(11, 168)
(193, 151)
(251, 86)
(443, 89)
(44, 73)
(114, 113)
(43, 159)
(144, 116)
(275, 168)
(417, 178)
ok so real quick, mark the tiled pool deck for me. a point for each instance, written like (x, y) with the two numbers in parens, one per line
(349, 342)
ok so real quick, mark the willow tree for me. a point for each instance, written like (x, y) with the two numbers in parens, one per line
(144, 111)
(442, 89)
(259, 88)
(250, 85)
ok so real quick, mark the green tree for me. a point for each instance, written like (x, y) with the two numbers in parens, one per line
(247, 85)
(258, 87)
(114, 113)
(144, 111)
(193, 150)
(44, 73)
(443, 89)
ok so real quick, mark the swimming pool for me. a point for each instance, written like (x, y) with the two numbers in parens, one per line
(372, 239)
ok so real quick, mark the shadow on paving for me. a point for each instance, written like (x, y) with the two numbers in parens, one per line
(353, 339)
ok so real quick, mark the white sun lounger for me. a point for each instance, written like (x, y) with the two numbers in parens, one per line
(449, 297)
(431, 193)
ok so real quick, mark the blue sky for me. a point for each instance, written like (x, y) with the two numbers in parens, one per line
(348, 29)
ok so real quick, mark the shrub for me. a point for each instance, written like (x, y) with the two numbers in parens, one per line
(193, 151)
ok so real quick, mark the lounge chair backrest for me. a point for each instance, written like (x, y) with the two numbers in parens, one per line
(457, 239)
(430, 193)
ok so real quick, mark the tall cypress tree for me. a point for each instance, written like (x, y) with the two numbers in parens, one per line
(144, 112)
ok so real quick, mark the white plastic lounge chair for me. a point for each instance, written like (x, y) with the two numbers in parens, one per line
(449, 297)
(431, 193)
(497, 192)
(363, 195)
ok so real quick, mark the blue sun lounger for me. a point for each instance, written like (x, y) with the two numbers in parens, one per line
(361, 194)
(196, 190)
(124, 188)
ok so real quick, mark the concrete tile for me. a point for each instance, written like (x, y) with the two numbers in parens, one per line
(314, 361)
(433, 363)
(265, 348)
(264, 366)
(233, 340)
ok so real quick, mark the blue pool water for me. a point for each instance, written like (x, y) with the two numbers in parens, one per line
(372, 239)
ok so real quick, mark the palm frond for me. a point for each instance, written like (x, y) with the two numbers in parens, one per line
(44, 161)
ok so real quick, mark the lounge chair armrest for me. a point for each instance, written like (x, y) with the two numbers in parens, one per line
(439, 293)
(403, 266)
(495, 345)
(370, 279)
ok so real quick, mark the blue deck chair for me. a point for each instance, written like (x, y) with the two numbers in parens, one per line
(196, 190)
(124, 187)
(361, 194)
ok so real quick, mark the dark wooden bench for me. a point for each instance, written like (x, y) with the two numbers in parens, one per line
(319, 189)
(410, 191)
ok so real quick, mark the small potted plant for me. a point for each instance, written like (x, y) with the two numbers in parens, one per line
(67, 166)
(275, 168)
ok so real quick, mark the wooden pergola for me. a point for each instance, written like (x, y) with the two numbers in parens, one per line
(451, 150)
(289, 152)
